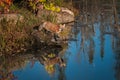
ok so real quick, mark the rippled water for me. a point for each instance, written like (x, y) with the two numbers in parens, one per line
(94, 56)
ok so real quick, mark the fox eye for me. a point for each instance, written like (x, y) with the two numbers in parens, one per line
(61, 29)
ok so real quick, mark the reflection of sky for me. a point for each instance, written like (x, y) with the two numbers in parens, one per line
(78, 66)
(37, 72)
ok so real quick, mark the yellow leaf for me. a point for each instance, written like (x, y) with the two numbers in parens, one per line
(2, 4)
(53, 8)
(57, 9)
(51, 55)
(42, 0)
(50, 69)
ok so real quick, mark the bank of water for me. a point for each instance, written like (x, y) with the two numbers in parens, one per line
(93, 56)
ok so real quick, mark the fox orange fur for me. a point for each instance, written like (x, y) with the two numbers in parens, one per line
(54, 28)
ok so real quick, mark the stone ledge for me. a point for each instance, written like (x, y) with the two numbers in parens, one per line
(64, 16)
(12, 17)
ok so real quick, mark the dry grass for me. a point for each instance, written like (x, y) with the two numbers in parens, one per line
(16, 38)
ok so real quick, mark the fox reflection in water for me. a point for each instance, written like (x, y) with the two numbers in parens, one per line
(50, 62)
(50, 59)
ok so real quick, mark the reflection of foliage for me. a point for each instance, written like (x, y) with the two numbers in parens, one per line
(8, 64)
(50, 69)
(51, 55)
(8, 76)
(48, 56)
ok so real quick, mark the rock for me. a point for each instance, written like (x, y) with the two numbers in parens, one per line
(41, 36)
(12, 17)
(45, 33)
(64, 16)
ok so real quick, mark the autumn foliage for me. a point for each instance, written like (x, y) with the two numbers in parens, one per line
(5, 5)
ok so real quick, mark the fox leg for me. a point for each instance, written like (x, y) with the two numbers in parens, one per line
(55, 37)
(40, 27)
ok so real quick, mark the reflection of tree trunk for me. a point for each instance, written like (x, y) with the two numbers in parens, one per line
(117, 66)
(86, 12)
(102, 47)
(61, 75)
(115, 13)
(91, 51)
(92, 11)
(102, 28)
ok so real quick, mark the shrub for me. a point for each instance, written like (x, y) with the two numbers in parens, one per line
(5, 5)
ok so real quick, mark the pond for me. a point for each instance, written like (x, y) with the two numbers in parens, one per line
(94, 55)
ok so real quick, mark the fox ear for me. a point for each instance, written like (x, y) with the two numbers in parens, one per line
(62, 26)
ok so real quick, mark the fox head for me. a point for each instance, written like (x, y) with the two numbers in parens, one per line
(61, 27)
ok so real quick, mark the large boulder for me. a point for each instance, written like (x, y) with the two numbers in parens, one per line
(13, 17)
(64, 16)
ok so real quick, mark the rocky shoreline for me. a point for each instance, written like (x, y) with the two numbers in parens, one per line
(26, 38)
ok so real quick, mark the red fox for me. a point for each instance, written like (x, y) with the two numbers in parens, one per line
(53, 28)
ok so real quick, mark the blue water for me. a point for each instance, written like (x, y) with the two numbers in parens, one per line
(79, 67)
(94, 59)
